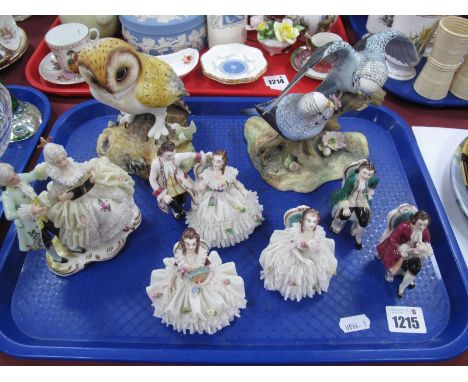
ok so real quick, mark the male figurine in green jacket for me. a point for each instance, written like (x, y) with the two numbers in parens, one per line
(352, 200)
(22, 205)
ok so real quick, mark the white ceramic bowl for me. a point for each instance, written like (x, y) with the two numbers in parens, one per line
(183, 61)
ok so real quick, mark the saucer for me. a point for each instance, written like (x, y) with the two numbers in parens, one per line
(10, 35)
(233, 64)
(318, 71)
(52, 72)
(183, 61)
(8, 57)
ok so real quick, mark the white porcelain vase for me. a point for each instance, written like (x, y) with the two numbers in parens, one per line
(273, 46)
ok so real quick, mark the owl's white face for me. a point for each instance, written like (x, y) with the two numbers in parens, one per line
(121, 73)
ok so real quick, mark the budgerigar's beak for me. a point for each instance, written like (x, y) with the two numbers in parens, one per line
(331, 104)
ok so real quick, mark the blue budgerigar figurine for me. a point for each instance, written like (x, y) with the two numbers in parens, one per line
(360, 69)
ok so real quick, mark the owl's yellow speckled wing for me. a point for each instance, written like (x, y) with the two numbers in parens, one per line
(158, 85)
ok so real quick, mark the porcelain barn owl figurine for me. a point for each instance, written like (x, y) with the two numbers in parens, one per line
(132, 82)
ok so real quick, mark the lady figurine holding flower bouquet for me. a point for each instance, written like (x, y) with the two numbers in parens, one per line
(196, 292)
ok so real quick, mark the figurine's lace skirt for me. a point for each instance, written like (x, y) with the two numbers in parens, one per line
(198, 308)
(95, 218)
(225, 218)
(296, 274)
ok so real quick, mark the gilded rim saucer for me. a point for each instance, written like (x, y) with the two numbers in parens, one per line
(50, 71)
(18, 53)
(10, 35)
(318, 72)
(233, 64)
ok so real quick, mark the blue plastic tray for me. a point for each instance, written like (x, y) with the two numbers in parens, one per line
(404, 89)
(103, 313)
(18, 153)
(358, 24)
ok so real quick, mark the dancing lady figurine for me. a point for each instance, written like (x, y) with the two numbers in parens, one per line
(226, 212)
(91, 204)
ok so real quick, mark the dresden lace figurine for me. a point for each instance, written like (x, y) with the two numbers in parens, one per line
(196, 292)
(352, 200)
(169, 182)
(226, 212)
(299, 261)
(91, 203)
(405, 244)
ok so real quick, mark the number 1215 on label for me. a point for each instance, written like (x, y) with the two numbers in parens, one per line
(405, 319)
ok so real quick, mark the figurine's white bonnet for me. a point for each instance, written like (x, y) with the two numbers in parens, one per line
(53, 151)
(6, 171)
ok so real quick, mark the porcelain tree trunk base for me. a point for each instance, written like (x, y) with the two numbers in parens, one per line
(129, 147)
(299, 165)
(106, 251)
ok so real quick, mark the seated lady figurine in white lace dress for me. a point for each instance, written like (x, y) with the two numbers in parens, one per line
(196, 292)
(300, 260)
(92, 205)
(226, 212)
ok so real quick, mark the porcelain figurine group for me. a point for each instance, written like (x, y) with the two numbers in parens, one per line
(88, 209)
(85, 214)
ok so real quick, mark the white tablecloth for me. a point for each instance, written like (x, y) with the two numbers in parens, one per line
(437, 146)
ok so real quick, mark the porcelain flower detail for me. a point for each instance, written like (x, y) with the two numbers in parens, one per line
(332, 140)
(262, 26)
(286, 31)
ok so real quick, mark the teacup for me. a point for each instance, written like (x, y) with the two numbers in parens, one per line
(66, 40)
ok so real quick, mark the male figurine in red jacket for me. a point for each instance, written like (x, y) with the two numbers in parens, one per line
(402, 250)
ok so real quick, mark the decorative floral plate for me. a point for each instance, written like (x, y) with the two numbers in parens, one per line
(182, 62)
(318, 71)
(50, 71)
(233, 64)
(459, 175)
(8, 57)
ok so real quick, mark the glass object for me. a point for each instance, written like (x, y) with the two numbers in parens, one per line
(26, 120)
(5, 118)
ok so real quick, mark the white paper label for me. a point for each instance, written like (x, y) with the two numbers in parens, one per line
(405, 319)
(354, 323)
(278, 82)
